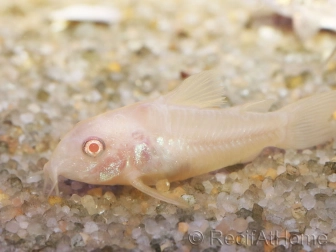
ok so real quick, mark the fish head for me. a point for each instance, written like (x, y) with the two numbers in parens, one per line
(105, 149)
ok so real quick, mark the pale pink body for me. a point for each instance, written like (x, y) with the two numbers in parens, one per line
(184, 142)
(182, 135)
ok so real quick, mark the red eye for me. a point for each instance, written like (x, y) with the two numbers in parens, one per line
(93, 146)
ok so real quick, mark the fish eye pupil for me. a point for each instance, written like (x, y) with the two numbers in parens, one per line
(94, 147)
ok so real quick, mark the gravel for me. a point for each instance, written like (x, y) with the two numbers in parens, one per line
(55, 72)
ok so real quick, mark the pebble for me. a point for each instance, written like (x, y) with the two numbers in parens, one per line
(33, 178)
(179, 191)
(51, 222)
(110, 196)
(35, 229)
(292, 170)
(53, 200)
(200, 225)
(95, 192)
(308, 201)
(77, 241)
(89, 204)
(94, 96)
(233, 175)
(207, 186)
(114, 67)
(24, 224)
(27, 118)
(272, 173)
(227, 202)
(90, 227)
(332, 185)
(66, 209)
(283, 185)
(85, 237)
(75, 198)
(33, 107)
(12, 226)
(151, 227)
(189, 198)
(183, 227)
(163, 185)
(136, 233)
(240, 225)
(257, 212)
(298, 211)
(244, 213)
(220, 177)
(44, 93)
(224, 226)
(62, 225)
(330, 202)
(332, 178)
(269, 189)
(238, 187)
(22, 233)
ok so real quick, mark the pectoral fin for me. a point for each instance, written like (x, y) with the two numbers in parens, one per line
(138, 184)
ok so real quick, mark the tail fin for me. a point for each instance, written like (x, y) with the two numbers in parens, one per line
(311, 121)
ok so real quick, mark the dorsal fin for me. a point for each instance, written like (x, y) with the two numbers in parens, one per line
(201, 90)
(259, 106)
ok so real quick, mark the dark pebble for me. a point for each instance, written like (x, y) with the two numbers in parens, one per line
(15, 182)
(159, 218)
(257, 212)
(280, 248)
(42, 95)
(13, 239)
(155, 245)
(3, 147)
(244, 213)
(321, 196)
(329, 168)
(113, 248)
(310, 186)
(296, 247)
(199, 187)
(211, 250)
(12, 164)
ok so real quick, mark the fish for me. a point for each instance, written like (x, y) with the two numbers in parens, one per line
(308, 17)
(183, 134)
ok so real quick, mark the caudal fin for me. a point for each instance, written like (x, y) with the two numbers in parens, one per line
(311, 121)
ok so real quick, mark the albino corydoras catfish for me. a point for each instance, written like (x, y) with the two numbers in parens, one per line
(183, 134)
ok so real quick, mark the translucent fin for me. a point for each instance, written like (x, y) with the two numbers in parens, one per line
(138, 184)
(305, 24)
(201, 90)
(311, 121)
(48, 179)
(54, 187)
(259, 106)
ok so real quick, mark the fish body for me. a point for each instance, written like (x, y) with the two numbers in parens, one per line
(187, 142)
(184, 134)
